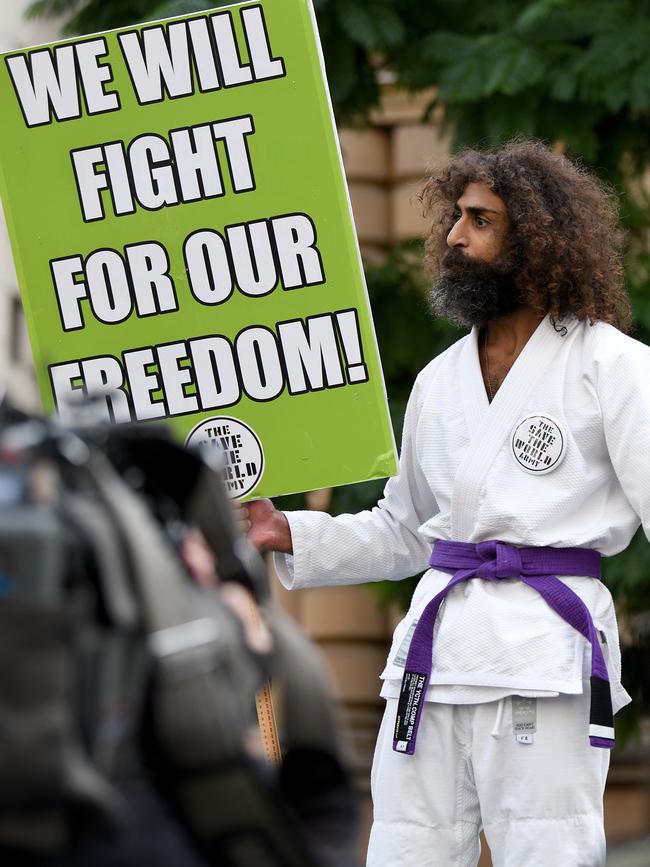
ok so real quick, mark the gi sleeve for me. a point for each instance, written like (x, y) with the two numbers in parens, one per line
(375, 545)
(623, 385)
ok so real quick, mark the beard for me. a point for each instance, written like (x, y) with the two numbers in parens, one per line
(471, 292)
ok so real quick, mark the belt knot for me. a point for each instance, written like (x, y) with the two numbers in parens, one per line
(500, 560)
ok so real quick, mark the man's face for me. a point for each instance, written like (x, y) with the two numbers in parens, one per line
(480, 224)
(475, 283)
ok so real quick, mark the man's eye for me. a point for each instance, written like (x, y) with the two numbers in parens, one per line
(481, 221)
(456, 215)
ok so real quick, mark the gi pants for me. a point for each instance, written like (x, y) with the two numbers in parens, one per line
(539, 804)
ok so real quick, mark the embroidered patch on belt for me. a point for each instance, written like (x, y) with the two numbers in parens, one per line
(538, 444)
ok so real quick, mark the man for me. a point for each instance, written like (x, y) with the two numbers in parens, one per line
(532, 430)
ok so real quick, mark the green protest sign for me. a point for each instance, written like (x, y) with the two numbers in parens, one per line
(184, 242)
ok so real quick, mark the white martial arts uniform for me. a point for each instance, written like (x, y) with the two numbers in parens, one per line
(468, 474)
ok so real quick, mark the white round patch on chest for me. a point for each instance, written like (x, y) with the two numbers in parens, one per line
(538, 444)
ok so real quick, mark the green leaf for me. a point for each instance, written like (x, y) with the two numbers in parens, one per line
(640, 88)
(389, 27)
(616, 92)
(172, 8)
(446, 47)
(358, 24)
(40, 8)
(527, 71)
(535, 13)
(501, 70)
(341, 64)
(563, 86)
(464, 80)
(616, 51)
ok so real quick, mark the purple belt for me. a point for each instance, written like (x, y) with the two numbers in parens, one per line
(494, 561)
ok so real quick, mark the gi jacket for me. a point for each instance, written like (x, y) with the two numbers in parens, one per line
(560, 457)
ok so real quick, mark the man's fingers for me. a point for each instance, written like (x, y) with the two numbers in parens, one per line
(258, 520)
(241, 515)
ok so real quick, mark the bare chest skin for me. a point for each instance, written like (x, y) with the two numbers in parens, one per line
(494, 367)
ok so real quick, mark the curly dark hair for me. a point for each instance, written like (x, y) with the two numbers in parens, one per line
(565, 242)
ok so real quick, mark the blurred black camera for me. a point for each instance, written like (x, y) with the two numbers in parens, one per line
(127, 689)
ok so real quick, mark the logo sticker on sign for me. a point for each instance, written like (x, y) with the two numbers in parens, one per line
(538, 444)
(240, 447)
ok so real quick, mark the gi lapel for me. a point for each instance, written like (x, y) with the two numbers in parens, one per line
(489, 424)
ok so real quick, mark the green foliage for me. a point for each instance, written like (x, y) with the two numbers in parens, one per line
(172, 8)
(354, 34)
(627, 575)
(574, 70)
(88, 17)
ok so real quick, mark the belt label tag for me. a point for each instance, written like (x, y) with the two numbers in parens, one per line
(402, 651)
(524, 718)
(408, 710)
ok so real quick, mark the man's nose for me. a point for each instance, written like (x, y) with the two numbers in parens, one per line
(457, 236)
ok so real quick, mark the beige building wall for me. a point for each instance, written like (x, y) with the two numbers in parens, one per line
(385, 167)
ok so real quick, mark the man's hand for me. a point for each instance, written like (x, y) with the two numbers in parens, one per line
(267, 528)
